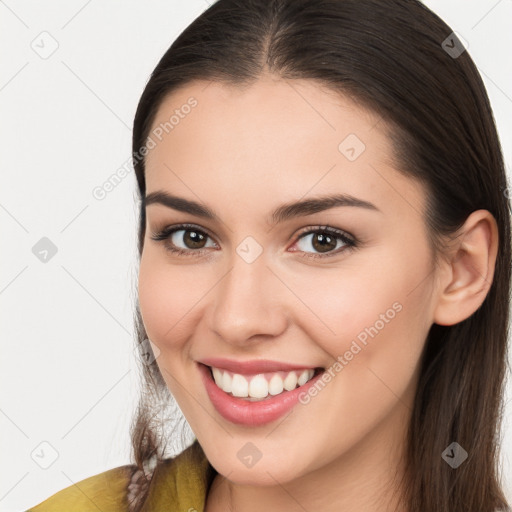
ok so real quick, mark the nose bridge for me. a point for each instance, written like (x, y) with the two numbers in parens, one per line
(246, 303)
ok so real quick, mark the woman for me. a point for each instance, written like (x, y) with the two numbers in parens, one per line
(324, 274)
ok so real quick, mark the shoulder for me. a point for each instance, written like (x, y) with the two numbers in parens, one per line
(181, 480)
(105, 491)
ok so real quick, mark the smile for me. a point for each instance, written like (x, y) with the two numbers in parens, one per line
(260, 386)
(255, 411)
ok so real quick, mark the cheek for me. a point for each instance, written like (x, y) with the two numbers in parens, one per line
(380, 317)
(166, 295)
(375, 312)
(166, 299)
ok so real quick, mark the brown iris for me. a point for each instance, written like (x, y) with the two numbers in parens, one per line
(194, 239)
(323, 242)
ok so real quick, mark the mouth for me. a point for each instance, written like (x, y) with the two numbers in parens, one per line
(261, 386)
(264, 408)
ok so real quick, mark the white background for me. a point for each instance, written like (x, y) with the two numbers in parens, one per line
(68, 374)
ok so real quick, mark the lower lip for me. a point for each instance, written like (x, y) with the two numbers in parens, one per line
(244, 412)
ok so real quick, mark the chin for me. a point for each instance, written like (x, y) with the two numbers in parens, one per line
(263, 473)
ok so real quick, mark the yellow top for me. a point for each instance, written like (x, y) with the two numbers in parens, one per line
(178, 483)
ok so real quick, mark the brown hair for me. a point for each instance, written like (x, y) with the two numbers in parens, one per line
(393, 58)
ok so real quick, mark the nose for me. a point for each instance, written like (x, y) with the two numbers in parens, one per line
(248, 304)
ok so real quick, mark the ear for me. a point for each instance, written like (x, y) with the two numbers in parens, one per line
(470, 269)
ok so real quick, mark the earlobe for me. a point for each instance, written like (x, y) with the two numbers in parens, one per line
(472, 260)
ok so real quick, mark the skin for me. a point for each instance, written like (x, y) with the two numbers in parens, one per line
(243, 152)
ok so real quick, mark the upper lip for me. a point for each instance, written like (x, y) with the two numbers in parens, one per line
(253, 366)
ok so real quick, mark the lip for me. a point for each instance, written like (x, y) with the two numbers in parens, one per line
(252, 414)
(252, 367)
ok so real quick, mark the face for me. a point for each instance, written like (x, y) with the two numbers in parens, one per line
(344, 286)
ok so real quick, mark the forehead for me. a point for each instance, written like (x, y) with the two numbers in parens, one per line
(271, 114)
(286, 138)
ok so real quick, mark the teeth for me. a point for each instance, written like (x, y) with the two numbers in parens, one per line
(303, 378)
(239, 386)
(217, 375)
(226, 382)
(261, 385)
(258, 387)
(275, 386)
(291, 381)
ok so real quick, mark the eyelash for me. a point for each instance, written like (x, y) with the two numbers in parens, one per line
(163, 235)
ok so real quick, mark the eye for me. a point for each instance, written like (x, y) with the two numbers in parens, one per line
(325, 240)
(192, 239)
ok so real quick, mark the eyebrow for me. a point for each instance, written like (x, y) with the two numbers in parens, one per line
(282, 213)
